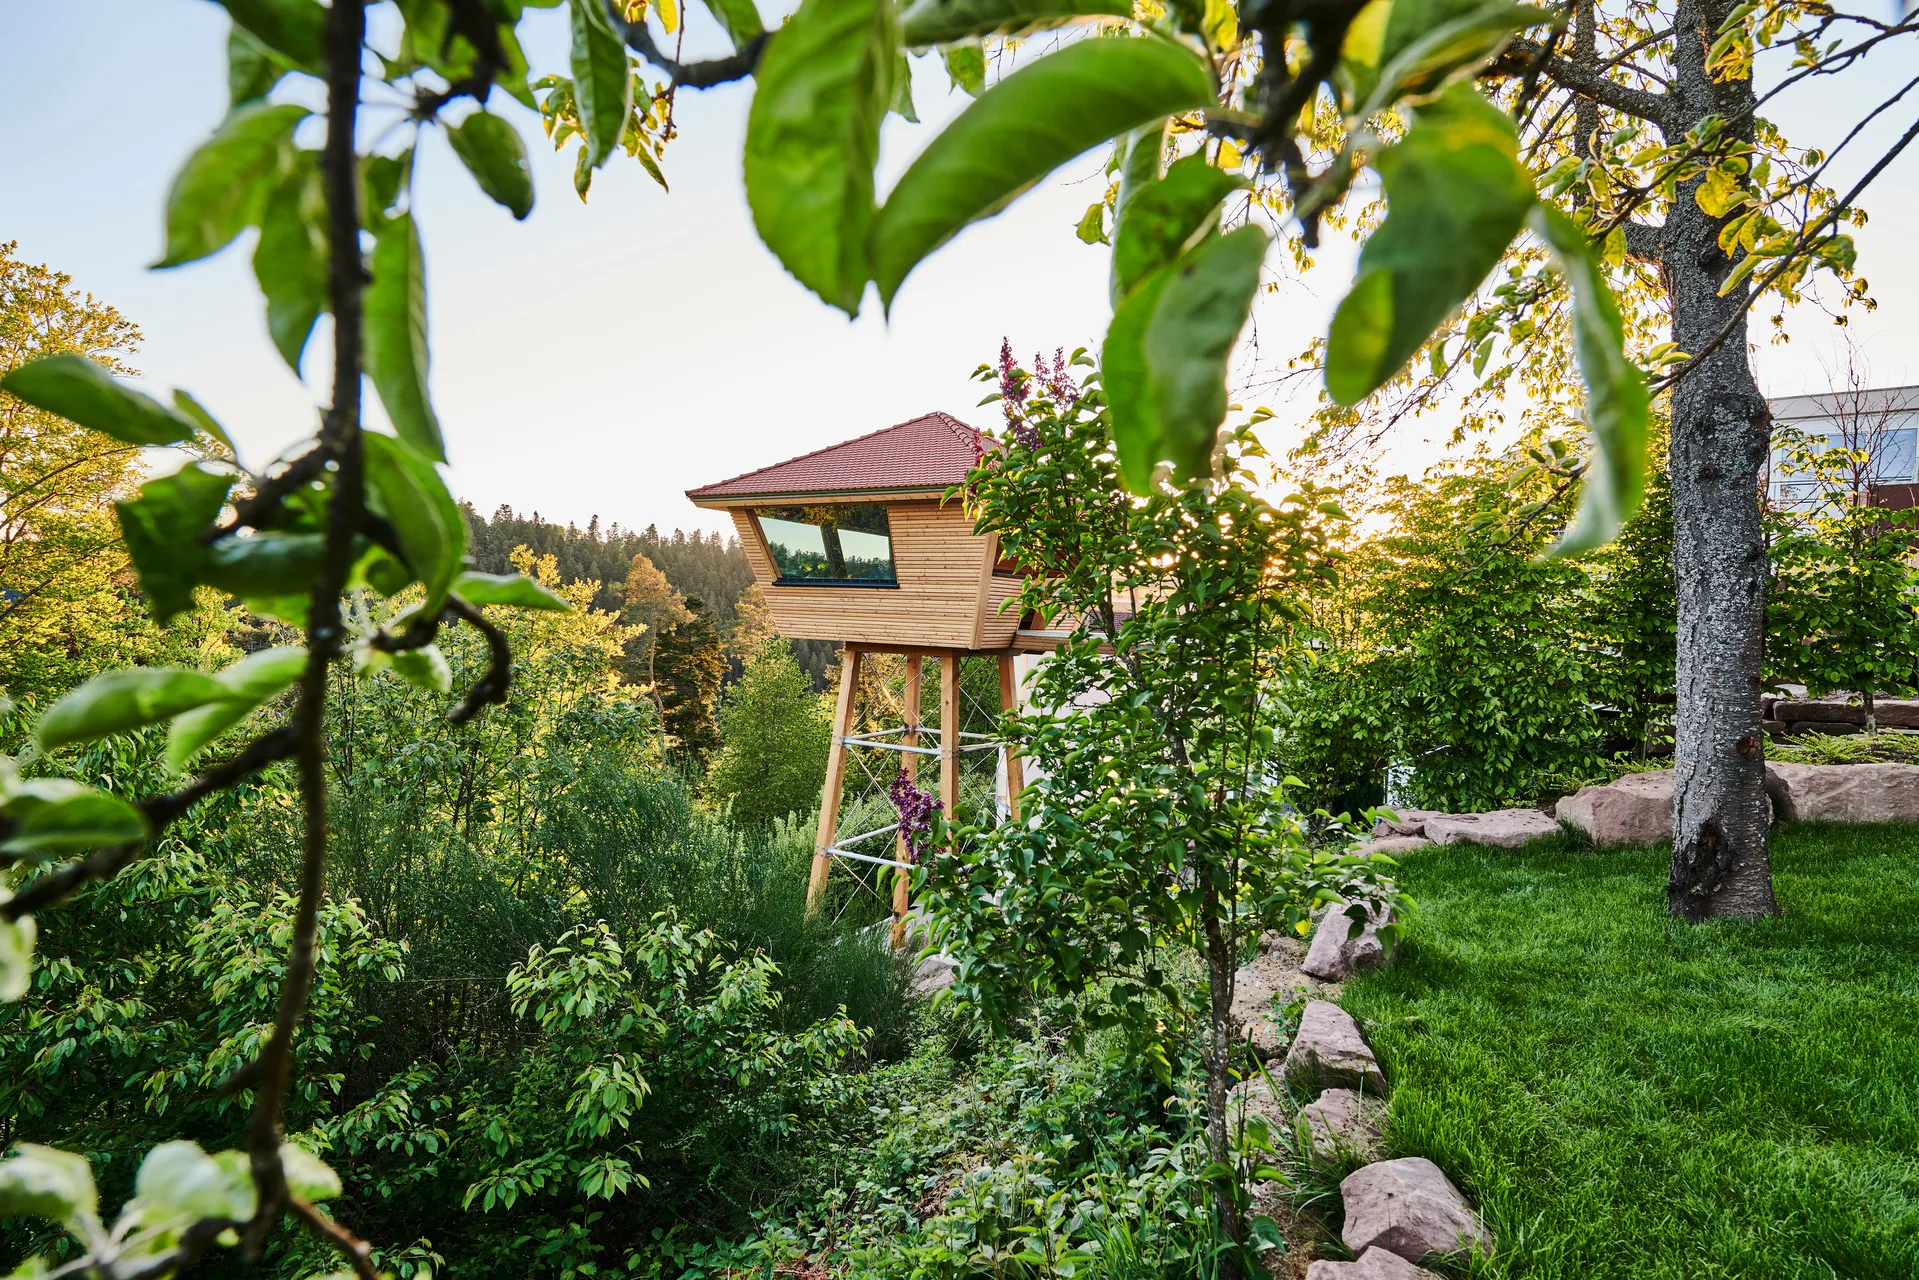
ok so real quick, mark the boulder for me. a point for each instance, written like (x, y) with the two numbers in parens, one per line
(1374, 1264)
(1392, 844)
(1343, 946)
(1410, 1208)
(1329, 1051)
(1341, 1124)
(1507, 828)
(1844, 792)
(1635, 809)
(1404, 822)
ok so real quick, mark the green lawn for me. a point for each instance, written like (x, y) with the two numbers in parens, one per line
(1624, 1095)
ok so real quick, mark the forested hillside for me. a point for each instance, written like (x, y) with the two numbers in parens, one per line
(709, 566)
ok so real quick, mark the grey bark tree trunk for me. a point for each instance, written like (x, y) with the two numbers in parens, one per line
(1720, 436)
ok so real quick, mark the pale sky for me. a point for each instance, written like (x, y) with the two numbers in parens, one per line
(602, 358)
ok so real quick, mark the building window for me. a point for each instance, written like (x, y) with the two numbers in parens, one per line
(1893, 458)
(837, 544)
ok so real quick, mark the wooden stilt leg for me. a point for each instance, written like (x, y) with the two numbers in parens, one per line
(902, 880)
(949, 735)
(1009, 701)
(835, 776)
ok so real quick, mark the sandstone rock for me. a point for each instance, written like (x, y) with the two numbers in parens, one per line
(1507, 828)
(1328, 1051)
(1341, 1124)
(1406, 822)
(1838, 708)
(1342, 946)
(1411, 1208)
(1635, 809)
(1392, 844)
(935, 973)
(1896, 713)
(1844, 792)
(1374, 1264)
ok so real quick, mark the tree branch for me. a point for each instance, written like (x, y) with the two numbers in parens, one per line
(60, 884)
(1650, 107)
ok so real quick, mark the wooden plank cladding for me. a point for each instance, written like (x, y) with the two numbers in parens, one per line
(947, 597)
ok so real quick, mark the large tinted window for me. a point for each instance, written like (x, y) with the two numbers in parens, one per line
(846, 543)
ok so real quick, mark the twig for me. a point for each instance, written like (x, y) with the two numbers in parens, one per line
(1762, 282)
(694, 75)
(492, 687)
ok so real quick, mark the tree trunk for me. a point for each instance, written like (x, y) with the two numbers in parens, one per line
(1221, 968)
(1720, 430)
(1872, 714)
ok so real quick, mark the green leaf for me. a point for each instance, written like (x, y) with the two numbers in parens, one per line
(1022, 129)
(1456, 195)
(44, 1182)
(16, 975)
(84, 392)
(1092, 225)
(966, 66)
(404, 488)
(250, 682)
(381, 180)
(510, 590)
(290, 261)
(264, 565)
(1136, 428)
(56, 815)
(1617, 404)
(308, 1176)
(824, 83)
(120, 701)
(162, 529)
(601, 86)
(295, 28)
(425, 667)
(188, 407)
(1163, 365)
(179, 1183)
(929, 22)
(1426, 41)
(252, 68)
(492, 152)
(221, 189)
(738, 18)
(396, 350)
(1190, 338)
(903, 91)
(1141, 161)
(1162, 218)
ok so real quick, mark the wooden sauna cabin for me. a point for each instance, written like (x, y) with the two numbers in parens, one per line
(852, 543)
(858, 544)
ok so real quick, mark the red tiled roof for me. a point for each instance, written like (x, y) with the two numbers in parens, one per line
(930, 452)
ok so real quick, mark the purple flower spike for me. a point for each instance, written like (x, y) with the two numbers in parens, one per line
(916, 812)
